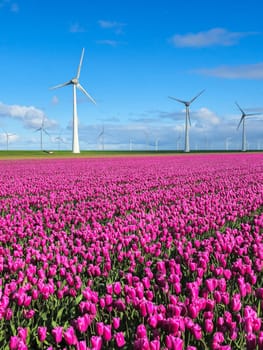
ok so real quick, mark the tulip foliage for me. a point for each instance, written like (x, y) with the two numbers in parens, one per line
(161, 252)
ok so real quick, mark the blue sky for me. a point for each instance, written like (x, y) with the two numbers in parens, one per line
(137, 53)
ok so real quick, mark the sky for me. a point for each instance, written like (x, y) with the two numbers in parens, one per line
(137, 54)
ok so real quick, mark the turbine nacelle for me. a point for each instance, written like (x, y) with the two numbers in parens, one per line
(74, 81)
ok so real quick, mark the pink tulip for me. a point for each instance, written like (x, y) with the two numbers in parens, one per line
(81, 345)
(107, 335)
(70, 336)
(96, 342)
(119, 339)
(57, 333)
(22, 333)
(116, 322)
(13, 342)
(42, 333)
(99, 328)
(117, 288)
(236, 303)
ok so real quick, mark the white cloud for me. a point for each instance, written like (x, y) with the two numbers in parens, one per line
(117, 26)
(206, 117)
(245, 71)
(212, 37)
(31, 116)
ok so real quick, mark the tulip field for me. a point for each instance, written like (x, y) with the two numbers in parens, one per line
(146, 253)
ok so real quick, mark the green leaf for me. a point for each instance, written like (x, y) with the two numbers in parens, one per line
(60, 312)
(78, 299)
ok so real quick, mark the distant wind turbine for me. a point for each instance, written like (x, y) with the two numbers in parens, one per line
(101, 137)
(242, 120)
(157, 144)
(59, 139)
(76, 84)
(227, 142)
(7, 138)
(187, 118)
(42, 129)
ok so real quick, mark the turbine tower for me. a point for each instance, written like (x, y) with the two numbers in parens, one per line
(187, 118)
(101, 138)
(76, 85)
(242, 120)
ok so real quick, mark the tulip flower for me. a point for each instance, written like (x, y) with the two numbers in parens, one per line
(96, 342)
(57, 333)
(119, 339)
(70, 336)
(42, 333)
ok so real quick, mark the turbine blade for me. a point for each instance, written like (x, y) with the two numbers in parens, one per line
(85, 93)
(249, 114)
(61, 85)
(241, 110)
(45, 131)
(192, 100)
(177, 99)
(80, 63)
(241, 119)
(38, 129)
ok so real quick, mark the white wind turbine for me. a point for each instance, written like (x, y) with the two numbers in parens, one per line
(75, 83)
(42, 129)
(7, 134)
(187, 118)
(242, 120)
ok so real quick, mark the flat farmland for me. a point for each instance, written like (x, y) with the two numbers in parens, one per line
(161, 252)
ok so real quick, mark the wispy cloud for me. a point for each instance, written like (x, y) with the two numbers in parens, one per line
(245, 71)
(76, 28)
(30, 116)
(112, 43)
(116, 26)
(212, 37)
(11, 5)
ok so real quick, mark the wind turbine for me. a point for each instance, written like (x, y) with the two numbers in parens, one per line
(101, 137)
(227, 142)
(242, 120)
(76, 85)
(42, 129)
(7, 138)
(187, 118)
(156, 144)
(59, 139)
